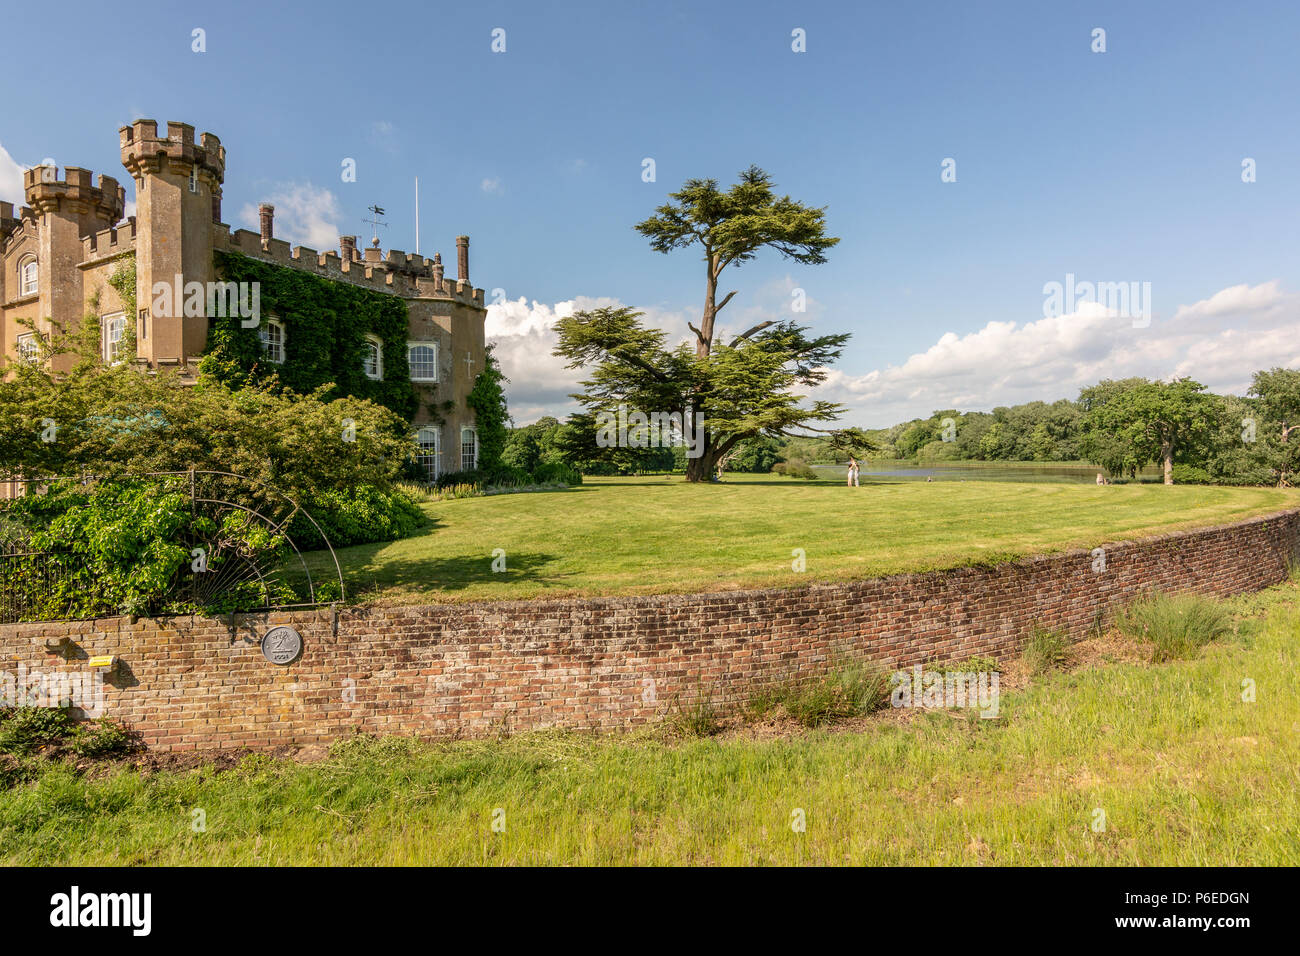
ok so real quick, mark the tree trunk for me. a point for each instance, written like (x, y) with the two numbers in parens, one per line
(1167, 456)
(701, 468)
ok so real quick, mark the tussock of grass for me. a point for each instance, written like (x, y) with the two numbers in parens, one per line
(696, 719)
(1044, 650)
(1174, 626)
(846, 691)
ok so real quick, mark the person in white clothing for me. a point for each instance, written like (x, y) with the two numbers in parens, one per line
(853, 472)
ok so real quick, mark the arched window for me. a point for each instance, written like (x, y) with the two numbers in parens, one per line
(427, 440)
(112, 327)
(30, 274)
(423, 359)
(373, 358)
(273, 338)
(468, 449)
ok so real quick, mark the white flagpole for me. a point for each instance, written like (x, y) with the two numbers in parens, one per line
(417, 215)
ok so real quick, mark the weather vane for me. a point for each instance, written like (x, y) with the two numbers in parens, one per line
(377, 212)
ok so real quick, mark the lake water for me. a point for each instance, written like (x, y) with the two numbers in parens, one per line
(978, 471)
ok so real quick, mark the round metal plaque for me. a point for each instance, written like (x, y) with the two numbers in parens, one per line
(281, 645)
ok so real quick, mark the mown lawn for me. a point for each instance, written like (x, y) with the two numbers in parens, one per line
(657, 535)
(1185, 771)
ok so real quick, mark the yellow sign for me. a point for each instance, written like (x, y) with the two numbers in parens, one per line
(104, 660)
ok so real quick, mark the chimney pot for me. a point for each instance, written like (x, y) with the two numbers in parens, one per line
(462, 259)
(266, 212)
(348, 247)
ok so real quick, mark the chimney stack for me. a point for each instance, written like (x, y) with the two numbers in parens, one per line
(462, 259)
(437, 269)
(348, 247)
(267, 213)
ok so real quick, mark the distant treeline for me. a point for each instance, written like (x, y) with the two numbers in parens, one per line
(1122, 426)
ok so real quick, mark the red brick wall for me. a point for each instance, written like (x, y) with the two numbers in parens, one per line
(186, 683)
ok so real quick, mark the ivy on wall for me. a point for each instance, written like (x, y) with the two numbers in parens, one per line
(326, 324)
(123, 283)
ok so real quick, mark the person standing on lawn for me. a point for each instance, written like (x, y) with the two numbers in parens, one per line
(853, 472)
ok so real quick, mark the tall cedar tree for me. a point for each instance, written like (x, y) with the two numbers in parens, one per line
(741, 388)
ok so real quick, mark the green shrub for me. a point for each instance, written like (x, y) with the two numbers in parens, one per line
(101, 738)
(359, 515)
(469, 477)
(794, 468)
(556, 473)
(1191, 475)
(25, 730)
(1175, 626)
(1043, 650)
(122, 547)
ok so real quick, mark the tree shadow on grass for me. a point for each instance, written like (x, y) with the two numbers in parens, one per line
(444, 575)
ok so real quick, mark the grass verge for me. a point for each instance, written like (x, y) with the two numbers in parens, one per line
(1194, 762)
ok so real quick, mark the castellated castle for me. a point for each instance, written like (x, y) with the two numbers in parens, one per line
(60, 249)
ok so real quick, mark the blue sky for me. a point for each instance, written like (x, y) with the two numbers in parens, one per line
(1117, 166)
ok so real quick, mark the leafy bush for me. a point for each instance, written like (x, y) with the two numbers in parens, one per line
(121, 546)
(1043, 650)
(100, 738)
(1174, 625)
(794, 468)
(359, 515)
(468, 477)
(1191, 475)
(556, 473)
(25, 730)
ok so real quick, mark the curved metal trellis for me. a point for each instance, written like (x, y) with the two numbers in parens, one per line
(225, 571)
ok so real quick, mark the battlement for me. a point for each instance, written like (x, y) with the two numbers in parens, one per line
(77, 192)
(398, 273)
(144, 151)
(109, 242)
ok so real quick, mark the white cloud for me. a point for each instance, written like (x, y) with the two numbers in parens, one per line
(524, 337)
(1003, 363)
(11, 179)
(492, 186)
(1235, 300)
(305, 214)
(1006, 363)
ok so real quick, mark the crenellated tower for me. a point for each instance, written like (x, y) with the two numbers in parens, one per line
(178, 197)
(67, 211)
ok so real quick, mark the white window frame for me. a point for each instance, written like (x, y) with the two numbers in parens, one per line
(468, 461)
(430, 458)
(111, 347)
(26, 348)
(194, 179)
(378, 354)
(411, 347)
(29, 285)
(264, 337)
